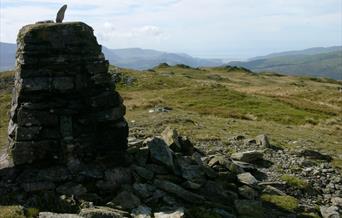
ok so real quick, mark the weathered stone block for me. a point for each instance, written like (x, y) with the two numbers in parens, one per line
(63, 83)
(36, 118)
(30, 151)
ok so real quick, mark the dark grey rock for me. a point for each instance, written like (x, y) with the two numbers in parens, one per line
(249, 208)
(311, 154)
(126, 200)
(177, 190)
(160, 152)
(60, 14)
(143, 190)
(141, 212)
(215, 192)
(143, 172)
(38, 186)
(72, 189)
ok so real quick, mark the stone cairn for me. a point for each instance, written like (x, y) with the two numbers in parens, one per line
(68, 136)
(64, 107)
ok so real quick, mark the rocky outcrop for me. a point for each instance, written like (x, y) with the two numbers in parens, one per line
(64, 108)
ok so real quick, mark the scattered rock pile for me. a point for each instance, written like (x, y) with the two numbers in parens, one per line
(163, 176)
(64, 108)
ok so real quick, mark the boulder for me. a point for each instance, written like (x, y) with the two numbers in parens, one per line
(176, 142)
(263, 141)
(171, 138)
(311, 154)
(160, 152)
(126, 200)
(215, 192)
(102, 212)
(329, 212)
(248, 156)
(249, 208)
(72, 189)
(143, 190)
(190, 170)
(272, 191)
(141, 212)
(247, 178)
(57, 215)
(177, 190)
(177, 213)
(143, 172)
(222, 162)
(248, 192)
(38, 186)
(337, 201)
(115, 178)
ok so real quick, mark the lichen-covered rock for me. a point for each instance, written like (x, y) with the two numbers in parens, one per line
(263, 141)
(171, 138)
(329, 212)
(57, 215)
(247, 178)
(247, 156)
(177, 213)
(102, 212)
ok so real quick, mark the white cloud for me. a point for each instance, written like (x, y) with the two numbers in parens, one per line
(193, 26)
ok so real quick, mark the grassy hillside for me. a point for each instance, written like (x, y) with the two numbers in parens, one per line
(214, 104)
(324, 65)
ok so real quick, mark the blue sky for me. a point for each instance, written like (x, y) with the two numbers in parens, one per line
(231, 29)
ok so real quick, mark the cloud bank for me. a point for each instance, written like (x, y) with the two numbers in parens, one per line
(217, 28)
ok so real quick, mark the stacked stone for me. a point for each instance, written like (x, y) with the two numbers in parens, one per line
(64, 105)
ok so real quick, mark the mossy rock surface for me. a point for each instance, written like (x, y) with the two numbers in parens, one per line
(12, 212)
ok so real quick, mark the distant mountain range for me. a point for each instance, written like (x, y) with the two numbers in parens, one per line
(142, 59)
(322, 62)
(135, 58)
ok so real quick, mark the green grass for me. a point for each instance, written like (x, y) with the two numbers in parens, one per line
(217, 103)
(295, 181)
(287, 203)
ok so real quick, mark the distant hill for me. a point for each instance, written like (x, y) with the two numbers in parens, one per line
(309, 51)
(321, 62)
(135, 58)
(142, 59)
